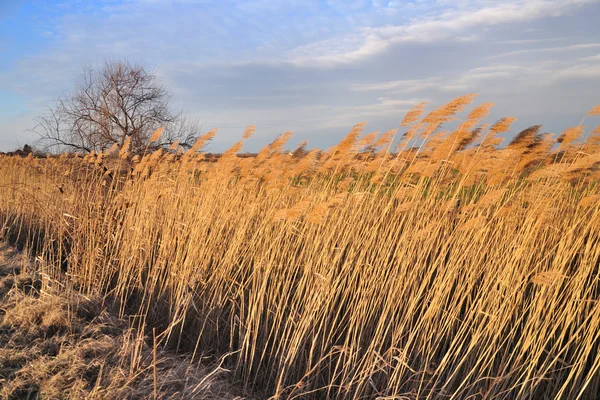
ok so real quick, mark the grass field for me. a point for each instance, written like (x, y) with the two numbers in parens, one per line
(413, 264)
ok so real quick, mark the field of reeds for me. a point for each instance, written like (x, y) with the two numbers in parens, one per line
(414, 264)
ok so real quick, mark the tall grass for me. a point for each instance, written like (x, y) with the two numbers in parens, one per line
(415, 264)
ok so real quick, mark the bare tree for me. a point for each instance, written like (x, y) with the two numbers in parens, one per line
(109, 104)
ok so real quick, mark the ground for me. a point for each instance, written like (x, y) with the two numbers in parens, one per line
(58, 344)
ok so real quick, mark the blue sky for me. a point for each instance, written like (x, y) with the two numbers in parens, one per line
(315, 67)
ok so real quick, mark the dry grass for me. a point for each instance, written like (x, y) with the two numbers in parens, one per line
(58, 344)
(424, 264)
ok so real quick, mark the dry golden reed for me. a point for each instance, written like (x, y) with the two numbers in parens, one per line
(156, 135)
(250, 129)
(433, 265)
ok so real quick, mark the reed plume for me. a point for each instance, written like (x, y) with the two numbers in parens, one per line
(448, 268)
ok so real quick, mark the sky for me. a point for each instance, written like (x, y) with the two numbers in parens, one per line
(315, 67)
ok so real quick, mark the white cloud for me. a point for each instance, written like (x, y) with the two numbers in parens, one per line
(405, 86)
(529, 41)
(502, 78)
(509, 78)
(591, 58)
(447, 25)
(580, 71)
(560, 49)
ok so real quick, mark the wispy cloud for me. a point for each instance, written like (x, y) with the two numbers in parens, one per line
(529, 41)
(405, 86)
(592, 58)
(560, 49)
(581, 71)
(449, 24)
